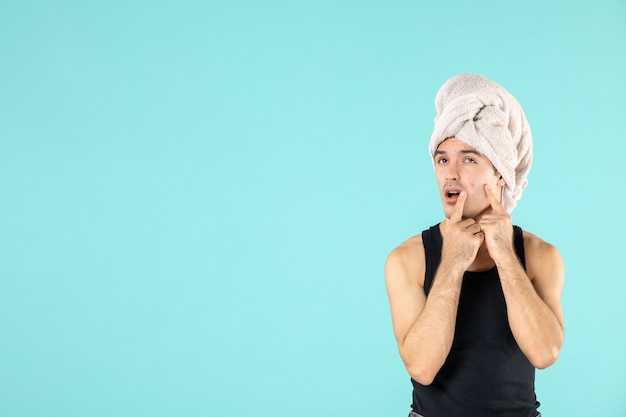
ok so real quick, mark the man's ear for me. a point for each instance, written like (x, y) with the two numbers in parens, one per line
(501, 182)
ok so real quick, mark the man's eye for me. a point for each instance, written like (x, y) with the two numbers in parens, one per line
(442, 160)
(470, 160)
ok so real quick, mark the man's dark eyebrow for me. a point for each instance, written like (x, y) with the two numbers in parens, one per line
(463, 151)
(475, 152)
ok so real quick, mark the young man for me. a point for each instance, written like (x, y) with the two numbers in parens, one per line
(475, 301)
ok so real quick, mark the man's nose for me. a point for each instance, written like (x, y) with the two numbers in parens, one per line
(452, 174)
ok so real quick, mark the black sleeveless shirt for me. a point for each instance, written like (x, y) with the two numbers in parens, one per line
(485, 373)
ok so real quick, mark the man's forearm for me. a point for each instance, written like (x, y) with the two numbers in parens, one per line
(534, 325)
(428, 342)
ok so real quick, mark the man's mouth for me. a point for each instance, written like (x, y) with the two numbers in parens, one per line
(451, 195)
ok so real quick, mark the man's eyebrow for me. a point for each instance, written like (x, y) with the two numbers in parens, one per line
(473, 151)
(462, 151)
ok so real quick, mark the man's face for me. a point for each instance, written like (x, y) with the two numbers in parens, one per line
(459, 167)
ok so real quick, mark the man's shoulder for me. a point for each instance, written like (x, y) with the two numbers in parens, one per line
(407, 256)
(411, 250)
(533, 243)
(540, 255)
(408, 248)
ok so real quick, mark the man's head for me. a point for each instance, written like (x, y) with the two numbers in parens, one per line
(459, 167)
(483, 116)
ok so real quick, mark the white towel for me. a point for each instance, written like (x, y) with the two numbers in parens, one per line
(484, 115)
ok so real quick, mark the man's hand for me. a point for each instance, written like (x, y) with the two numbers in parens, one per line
(497, 228)
(462, 237)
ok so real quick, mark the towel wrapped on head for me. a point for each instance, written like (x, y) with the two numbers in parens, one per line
(481, 113)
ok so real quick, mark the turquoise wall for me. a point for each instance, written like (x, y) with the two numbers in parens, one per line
(197, 198)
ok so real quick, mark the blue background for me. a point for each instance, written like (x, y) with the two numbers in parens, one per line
(197, 198)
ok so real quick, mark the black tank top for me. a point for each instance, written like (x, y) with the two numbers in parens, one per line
(485, 373)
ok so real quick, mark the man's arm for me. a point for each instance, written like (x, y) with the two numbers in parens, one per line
(533, 298)
(424, 327)
(534, 301)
